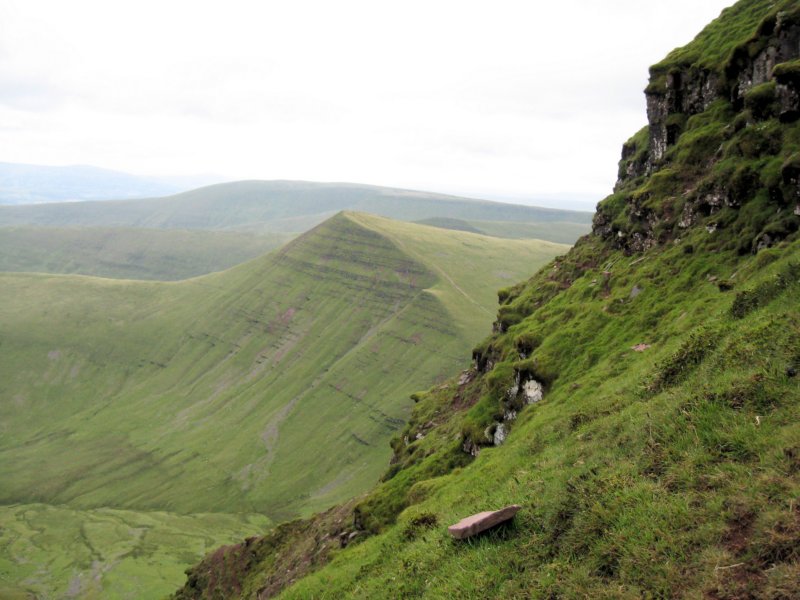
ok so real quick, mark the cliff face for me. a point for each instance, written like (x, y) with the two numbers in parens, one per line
(679, 90)
(715, 137)
(638, 396)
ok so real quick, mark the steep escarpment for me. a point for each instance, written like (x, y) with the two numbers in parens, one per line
(638, 396)
(721, 114)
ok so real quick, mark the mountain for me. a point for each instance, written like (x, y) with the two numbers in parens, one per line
(143, 423)
(129, 253)
(214, 228)
(638, 397)
(31, 184)
(289, 206)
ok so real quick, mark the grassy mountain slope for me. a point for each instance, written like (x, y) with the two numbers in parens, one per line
(269, 388)
(662, 459)
(160, 254)
(282, 206)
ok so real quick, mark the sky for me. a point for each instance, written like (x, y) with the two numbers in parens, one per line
(524, 101)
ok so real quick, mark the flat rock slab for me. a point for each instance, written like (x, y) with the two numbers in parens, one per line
(474, 524)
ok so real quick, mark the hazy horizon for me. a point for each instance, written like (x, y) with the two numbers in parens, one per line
(509, 104)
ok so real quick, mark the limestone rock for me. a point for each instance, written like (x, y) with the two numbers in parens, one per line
(500, 435)
(532, 390)
(470, 447)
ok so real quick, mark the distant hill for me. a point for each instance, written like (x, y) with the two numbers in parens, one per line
(33, 184)
(287, 206)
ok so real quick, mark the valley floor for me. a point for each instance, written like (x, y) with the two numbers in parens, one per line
(51, 551)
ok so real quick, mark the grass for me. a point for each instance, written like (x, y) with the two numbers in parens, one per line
(104, 552)
(714, 46)
(159, 254)
(271, 388)
(290, 207)
(726, 44)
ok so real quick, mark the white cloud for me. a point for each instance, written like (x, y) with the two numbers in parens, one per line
(519, 99)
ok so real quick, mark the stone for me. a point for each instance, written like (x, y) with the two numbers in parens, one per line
(513, 390)
(635, 291)
(482, 521)
(500, 435)
(533, 391)
(640, 347)
(470, 447)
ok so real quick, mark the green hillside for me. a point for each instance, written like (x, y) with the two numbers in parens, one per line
(160, 254)
(663, 458)
(288, 206)
(271, 388)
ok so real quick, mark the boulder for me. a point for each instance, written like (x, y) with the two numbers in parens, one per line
(482, 521)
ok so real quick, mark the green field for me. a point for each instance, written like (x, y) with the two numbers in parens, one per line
(55, 551)
(128, 253)
(270, 388)
(296, 206)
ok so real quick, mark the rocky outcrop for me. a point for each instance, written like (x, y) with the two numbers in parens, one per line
(753, 64)
(675, 96)
(524, 390)
(787, 90)
(759, 84)
(679, 93)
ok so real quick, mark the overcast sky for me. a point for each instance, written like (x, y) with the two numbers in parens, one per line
(523, 100)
